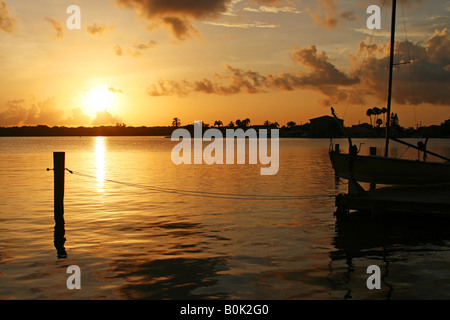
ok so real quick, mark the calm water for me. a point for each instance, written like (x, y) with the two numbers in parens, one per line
(132, 242)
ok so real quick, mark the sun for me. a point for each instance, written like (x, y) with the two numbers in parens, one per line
(98, 99)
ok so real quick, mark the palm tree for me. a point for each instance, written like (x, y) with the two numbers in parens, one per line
(383, 112)
(238, 123)
(275, 124)
(376, 112)
(176, 122)
(369, 113)
(246, 122)
(267, 123)
(218, 123)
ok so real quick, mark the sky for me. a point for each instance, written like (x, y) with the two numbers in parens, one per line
(144, 62)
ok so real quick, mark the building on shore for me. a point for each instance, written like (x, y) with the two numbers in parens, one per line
(326, 127)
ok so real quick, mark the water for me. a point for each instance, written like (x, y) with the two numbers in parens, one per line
(131, 242)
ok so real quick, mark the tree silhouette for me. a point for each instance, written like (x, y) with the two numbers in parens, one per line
(384, 111)
(369, 113)
(267, 123)
(379, 122)
(176, 122)
(376, 112)
(246, 122)
(394, 120)
(275, 124)
(238, 123)
(218, 123)
(291, 124)
(231, 124)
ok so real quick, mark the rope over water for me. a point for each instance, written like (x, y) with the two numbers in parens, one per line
(218, 195)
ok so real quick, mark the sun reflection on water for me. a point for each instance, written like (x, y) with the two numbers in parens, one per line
(100, 150)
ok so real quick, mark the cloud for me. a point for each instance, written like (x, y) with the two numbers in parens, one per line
(429, 70)
(95, 29)
(57, 27)
(14, 115)
(267, 1)
(425, 79)
(116, 90)
(105, 118)
(118, 50)
(326, 14)
(136, 50)
(255, 24)
(321, 75)
(7, 21)
(40, 113)
(349, 16)
(78, 118)
(177, 15)
(273, 9)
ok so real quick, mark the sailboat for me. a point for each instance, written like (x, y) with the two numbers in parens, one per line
(385, 169)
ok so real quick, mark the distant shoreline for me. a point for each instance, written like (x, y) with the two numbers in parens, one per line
(303, 131)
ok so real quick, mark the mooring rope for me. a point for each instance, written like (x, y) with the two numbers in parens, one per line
(231, 196)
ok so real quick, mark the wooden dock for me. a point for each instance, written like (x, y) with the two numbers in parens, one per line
(415, 200)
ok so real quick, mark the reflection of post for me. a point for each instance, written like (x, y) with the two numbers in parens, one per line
(59, 240)
(59, 170)
(373, 152)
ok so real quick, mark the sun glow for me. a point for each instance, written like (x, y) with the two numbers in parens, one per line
(98, 99)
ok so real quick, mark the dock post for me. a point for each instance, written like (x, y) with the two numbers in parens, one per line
(58, 171)
(59, 231)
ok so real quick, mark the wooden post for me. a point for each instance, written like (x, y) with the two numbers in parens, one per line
(59, 170)
(59, 231)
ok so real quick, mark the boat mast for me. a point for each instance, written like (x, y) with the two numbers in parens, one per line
(391, 65)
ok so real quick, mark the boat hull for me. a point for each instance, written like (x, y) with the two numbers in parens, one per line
(391, 171)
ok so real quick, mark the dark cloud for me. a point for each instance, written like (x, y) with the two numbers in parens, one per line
(322, 76)
(425, 80)
(7, 21)
(163, 8)
(177, 15)
(181, 28)
(268, 1)
(57, 27)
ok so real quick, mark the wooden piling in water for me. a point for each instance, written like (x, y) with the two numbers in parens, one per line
(58, 171)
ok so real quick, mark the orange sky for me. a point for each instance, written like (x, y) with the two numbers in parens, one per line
(143, 62)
